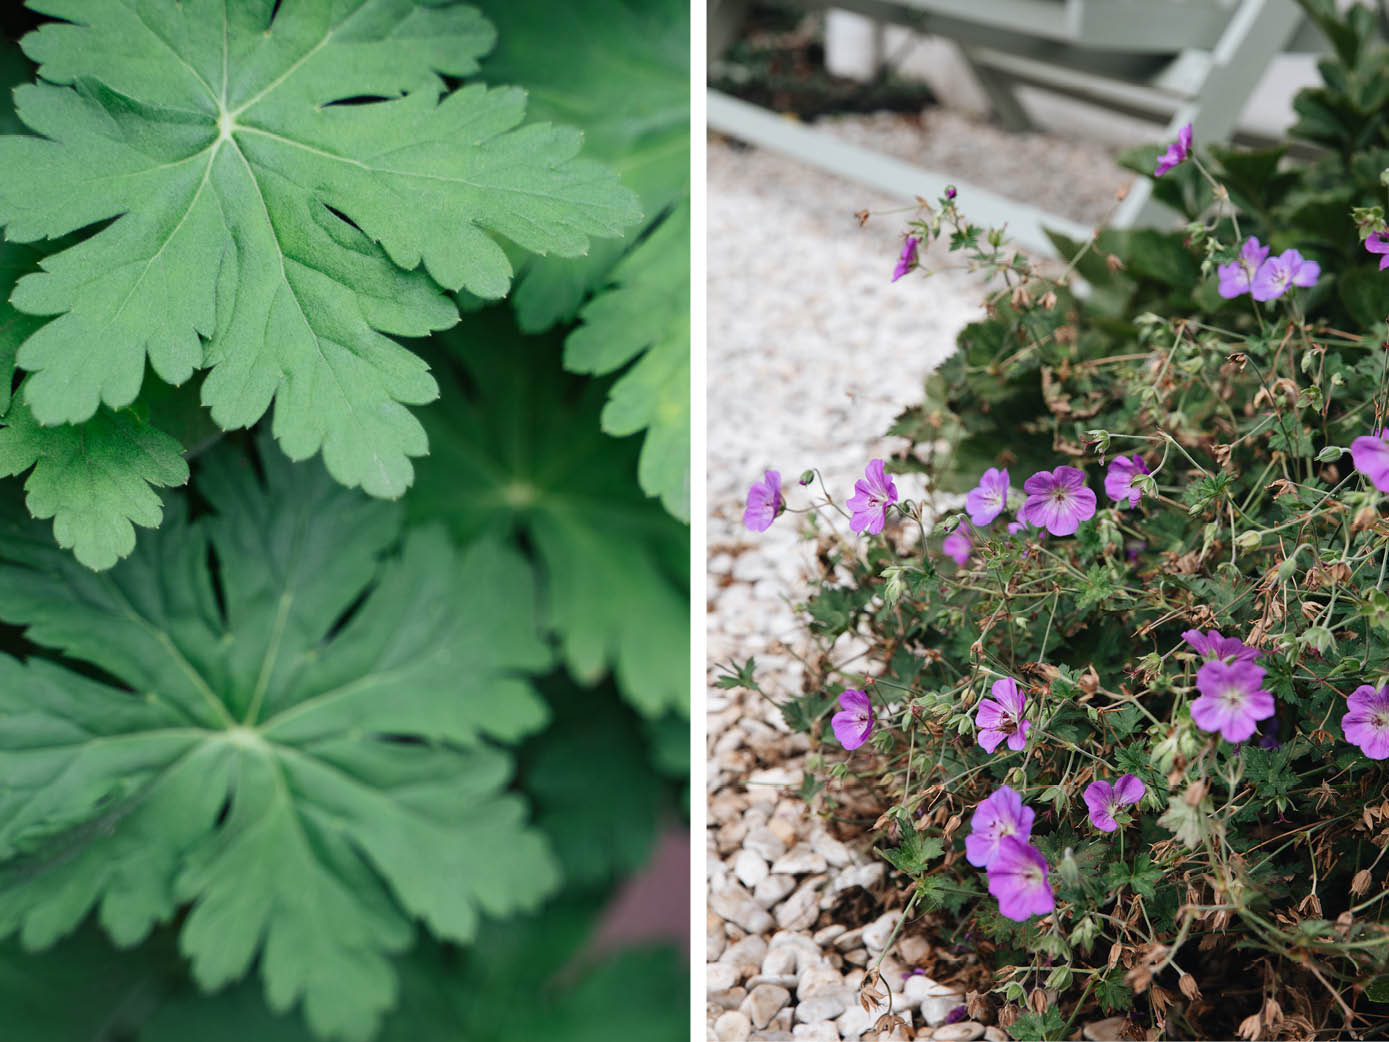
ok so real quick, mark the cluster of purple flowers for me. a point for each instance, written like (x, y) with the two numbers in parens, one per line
(1264, 277)
(998, 843)
(1233, 699)
(873, 494)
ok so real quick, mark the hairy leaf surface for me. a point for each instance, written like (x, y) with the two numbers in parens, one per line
(284, 729)
(646, 316)
(263, 227)
(516, 448)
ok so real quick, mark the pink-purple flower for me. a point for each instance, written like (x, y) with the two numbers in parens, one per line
(1118, 480)
(1106, 800)
(1001, 814)
(1000, 717)
(873, 494)
(1018, 878)
(1377, 243)
(1370, 454)
(1057, 500)
(854, 722)
(987, 501)
(1237, 277)
(1367, 723)
(1176, 152)
(1276, 274)
(764, 502)
(1232, 699)
(907, 261)
(957, 546)
(1212, 646)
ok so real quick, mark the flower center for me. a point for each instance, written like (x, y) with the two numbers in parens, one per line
(1233, 697)
(1380, 721)
(1032, 876)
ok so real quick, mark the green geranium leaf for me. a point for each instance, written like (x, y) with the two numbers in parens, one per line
(646, 316)
(283, 729)
(521, 982)
(96, 480)
(621, 70)
(516, 448)
(260, 225)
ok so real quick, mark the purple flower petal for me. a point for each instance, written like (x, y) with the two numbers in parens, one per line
(1018, 878)
(1058, 500)
(873, 494)
(764, 502)
(907, 261)
(1371, 457)
(989, 499)
(1000, 717)
(1176, 152)
(957, 546)
(1367, 722)
(1001, 814)
(1099, 797)
(1232, 700)
(1377, 243)
(1118, 481)
(854, 723)
(1211, 645)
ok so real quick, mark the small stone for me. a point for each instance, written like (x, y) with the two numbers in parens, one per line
(866, 876)
(877, 933)
(773, 889)
(715, 940)
(782, 1021)
(849, 939)
(913, 949)
(829, 933)
(801, 909)
(833, 851)
(750, 950)
(768, 780)
(823, 1007)
(782, 980)
(764, 842)
(816, 1031)
(772, 1035)
(800, 861)
(785, 830)
(1108, 1030)
(734, 903)
(963, 1031)
(993, 1034)
(749, 867)
(733, 1026)
(780, 959)
(764, 1002)
(729, 998)
(936, 1001)
(719, 976)
(857, 957)
(820, 980)
(856, 1021)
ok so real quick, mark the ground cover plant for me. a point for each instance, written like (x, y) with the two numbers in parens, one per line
(344, 626)
(1124, 711)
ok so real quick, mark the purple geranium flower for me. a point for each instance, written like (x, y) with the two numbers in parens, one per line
(1371, 457)
(957, 546)
(1212, 646)
(854, 722)
(1057, 500)
(1018, 878)
(907, 261)
(1377, 243)
(1367, 723)
(1000, 717)
(1176, 152)
(1104, 799)
(1118, 481)
(873, 494)
(1232, 700)
(1001, 814)
(764, 502)
(1237, 277)
(988, 500)
(1276, 274)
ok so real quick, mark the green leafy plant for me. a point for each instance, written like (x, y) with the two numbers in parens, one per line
(1115, 743)
(315, 756)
